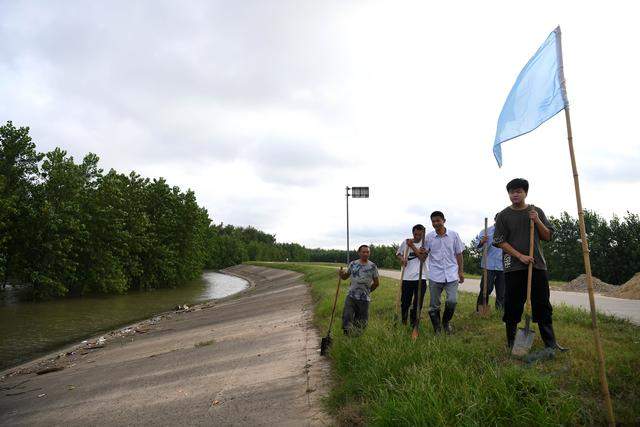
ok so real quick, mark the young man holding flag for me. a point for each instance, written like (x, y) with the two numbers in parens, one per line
(512, 236)
(539, 93)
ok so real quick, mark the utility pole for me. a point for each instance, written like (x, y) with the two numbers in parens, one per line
(347, 197)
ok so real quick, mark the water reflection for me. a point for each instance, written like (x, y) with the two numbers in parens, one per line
(221, 285)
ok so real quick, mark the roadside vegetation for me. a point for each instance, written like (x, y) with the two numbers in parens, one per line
(383, 378)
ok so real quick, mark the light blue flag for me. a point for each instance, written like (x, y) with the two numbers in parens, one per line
(538, 94)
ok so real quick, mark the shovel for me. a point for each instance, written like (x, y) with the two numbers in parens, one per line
(404, 257)
(485, 309)
(326, 341)
(525, 336)
(416, 327)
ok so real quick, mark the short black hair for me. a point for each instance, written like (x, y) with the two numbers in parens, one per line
(363, 246)
(417, 227)
(437, 213)
(518, 183)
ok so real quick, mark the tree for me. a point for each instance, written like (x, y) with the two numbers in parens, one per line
(614, 247)
(18, 178)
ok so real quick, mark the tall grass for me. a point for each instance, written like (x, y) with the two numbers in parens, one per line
(384, 378)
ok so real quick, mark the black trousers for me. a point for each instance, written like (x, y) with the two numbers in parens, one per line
(516, 295)
(494, 278)
(409, 297)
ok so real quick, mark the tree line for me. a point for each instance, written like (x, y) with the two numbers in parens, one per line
(68, 228)
(614, 247)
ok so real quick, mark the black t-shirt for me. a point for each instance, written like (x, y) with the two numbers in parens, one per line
(512, 226)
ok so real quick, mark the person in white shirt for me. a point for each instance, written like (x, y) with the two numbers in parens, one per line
(444, 249)
(410, 279)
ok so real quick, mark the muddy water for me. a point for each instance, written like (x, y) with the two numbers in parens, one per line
(31, 329)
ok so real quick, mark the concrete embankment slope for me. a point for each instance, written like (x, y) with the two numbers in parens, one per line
(250, 360)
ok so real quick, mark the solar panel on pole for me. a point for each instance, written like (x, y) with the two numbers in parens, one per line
(360, 192)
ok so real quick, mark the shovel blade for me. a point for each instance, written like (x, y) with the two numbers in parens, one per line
(415, 333)
(484, 310)
(524, 339)
(523, 342)
(324, 345)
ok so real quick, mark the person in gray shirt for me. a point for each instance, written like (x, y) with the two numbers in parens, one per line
(364, 280)
(512, 236)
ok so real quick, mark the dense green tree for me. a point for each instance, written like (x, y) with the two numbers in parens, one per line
(60, 235)
(384, 256)
(472, 257)
(18, 180)
(614, 247)
(564, 254)
(68, 229)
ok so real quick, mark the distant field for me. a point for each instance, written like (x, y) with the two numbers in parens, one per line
(383, 378)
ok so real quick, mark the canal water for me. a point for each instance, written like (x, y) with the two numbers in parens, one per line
(32, 329)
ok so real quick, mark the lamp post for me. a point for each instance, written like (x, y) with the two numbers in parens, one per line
(356, 193)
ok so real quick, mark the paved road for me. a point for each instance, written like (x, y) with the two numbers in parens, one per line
(260, 366)
(619, 307)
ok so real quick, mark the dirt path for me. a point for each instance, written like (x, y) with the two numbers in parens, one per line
(252, 360)
(619, 307)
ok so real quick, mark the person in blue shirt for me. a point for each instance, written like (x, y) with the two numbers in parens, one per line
(495, 270)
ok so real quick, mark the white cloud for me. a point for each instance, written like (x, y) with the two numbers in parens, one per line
(268, 109)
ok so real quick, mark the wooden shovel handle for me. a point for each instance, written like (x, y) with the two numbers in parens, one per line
(415, 333)
(484, 270)
(404, 257)
(530, 271)
(335, 300)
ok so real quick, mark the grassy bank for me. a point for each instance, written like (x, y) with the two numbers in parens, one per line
(383, 378)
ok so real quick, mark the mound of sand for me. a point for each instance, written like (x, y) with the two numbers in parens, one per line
(579, 284)
(630, 290)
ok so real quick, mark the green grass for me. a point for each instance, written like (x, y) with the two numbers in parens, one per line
(204, 343)
(384, 378)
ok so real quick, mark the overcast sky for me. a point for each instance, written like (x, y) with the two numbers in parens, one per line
(267, 109)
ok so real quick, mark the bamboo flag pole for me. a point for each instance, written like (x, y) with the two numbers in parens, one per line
(484, 309)
(485, 276)
(585, 247)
